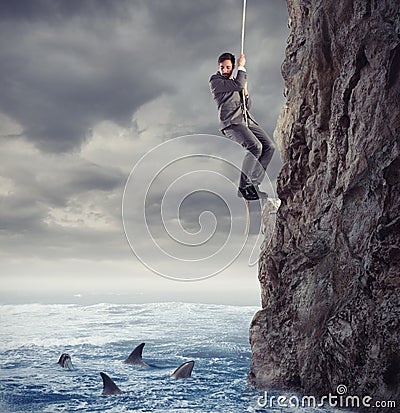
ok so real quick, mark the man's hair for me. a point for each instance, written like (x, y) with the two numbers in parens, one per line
(227, 56)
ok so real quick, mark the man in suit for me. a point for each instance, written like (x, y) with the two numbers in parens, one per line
(238, 124)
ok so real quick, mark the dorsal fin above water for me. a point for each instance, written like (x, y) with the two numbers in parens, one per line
(136, 356)
(109, 387)
(184, 371)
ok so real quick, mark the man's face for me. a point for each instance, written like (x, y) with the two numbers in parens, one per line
(226, 68)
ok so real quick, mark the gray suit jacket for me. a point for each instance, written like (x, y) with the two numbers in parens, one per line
(226, 93)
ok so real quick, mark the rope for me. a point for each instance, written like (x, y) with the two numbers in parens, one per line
(246, 228)
(243, 22)
(241, 52)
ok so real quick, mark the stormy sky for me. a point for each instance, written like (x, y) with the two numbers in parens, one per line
(92, 90)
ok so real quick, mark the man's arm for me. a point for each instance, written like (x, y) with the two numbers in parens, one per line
(246, 93)
(219, 84)
(247, 96)
(242, 62)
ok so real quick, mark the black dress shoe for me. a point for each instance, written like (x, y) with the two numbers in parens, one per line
(258, 191)
(248, 193)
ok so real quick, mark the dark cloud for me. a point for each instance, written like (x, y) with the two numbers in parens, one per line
(29, 10)
(59, 80)
(55, 183)
(20, 215)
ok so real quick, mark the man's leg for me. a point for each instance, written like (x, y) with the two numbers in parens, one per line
(245, 137)
(267, 151)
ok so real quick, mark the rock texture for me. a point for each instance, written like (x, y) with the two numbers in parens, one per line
(269, 209)
(330, 277)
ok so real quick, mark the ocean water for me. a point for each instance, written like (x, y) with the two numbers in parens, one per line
(99, 337)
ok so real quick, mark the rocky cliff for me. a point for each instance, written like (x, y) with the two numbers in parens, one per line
(330, 276)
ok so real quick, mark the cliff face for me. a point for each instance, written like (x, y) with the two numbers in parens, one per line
(330, 276)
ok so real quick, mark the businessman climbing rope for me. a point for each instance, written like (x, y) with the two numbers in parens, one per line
(236, 122)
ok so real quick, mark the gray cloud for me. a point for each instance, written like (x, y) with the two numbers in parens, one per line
(51, 183)
(26, 10)
(62, 76)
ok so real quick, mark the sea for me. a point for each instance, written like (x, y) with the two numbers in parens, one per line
(100, 337)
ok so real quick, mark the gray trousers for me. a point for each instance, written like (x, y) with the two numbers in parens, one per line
(260, 150)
